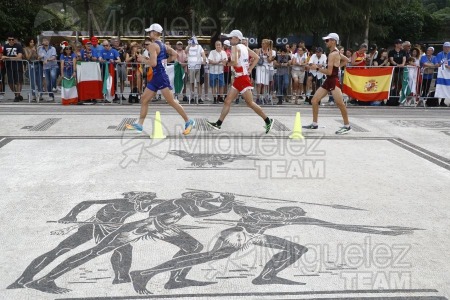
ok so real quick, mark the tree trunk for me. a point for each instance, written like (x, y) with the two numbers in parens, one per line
(216, 36)
(366, 31)
(87, 8)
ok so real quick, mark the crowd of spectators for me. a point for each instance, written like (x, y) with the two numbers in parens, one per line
(282, 73)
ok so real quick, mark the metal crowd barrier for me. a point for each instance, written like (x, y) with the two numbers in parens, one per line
(28, 79)
(421, 81)
(33, 80)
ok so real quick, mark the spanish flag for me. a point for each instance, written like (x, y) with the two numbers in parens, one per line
(368, 84)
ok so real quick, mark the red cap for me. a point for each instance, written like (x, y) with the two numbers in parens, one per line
(94, 40)
(85, 41)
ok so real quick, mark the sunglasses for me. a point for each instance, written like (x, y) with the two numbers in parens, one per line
(327, 40)
(10, 39)
(147, 44)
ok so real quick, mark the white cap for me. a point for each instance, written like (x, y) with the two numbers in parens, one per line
(227, 43)
(447, 44)
(155, 27)
(430, 48)
(333, 36)
(235, 33)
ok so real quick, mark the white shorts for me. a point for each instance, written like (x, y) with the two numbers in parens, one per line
(298, 74)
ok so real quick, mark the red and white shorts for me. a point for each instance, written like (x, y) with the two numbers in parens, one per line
(242, 83)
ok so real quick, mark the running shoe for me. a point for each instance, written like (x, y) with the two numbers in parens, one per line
(310, 126)
(188, 126)
(344, 130)
(269, 126)
(213, 125)
(136, 126)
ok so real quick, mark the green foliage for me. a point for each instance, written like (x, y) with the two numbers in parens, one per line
(386, 19)
(19, 18)
(443, 14)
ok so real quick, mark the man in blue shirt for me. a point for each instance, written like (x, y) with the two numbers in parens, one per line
(442, 59)
(47, 54)
(426, 62)
(109, 54)
(96, 48)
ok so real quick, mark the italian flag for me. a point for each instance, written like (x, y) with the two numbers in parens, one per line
(69, 94)
(108, 81)
(89, 79)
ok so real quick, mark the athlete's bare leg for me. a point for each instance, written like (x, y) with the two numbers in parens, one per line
(248, 97)
(232, 94)
(339, 100)
(168, 95)
(320, 93)
(146, 97)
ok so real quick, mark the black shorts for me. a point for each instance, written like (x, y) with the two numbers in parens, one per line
(14, 72)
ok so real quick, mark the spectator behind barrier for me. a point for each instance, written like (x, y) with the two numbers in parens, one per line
(121, 69)
(12, 53)
(427, 65)
(86, 52)
(227, 69)
(442, 59)
(68, 62)
(196, 57)
(373, 55)
(182, 59)
(314, 77)
(282, 75)
(34, 68)
(217, 58)
(397, 58)
(359, 58)
(264, 72)
(47, 54)
(382, 59)
(95, 48)
(298, 63)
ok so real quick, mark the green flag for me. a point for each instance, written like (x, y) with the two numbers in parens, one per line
(179, 76)
(406, 90)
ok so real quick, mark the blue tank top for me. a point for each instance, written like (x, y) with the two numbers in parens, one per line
(159, 68)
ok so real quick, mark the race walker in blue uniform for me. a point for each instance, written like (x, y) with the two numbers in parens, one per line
(160, 81)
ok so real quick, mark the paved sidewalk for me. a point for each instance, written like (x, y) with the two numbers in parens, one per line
(255, 216)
